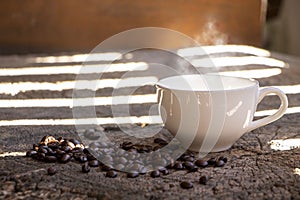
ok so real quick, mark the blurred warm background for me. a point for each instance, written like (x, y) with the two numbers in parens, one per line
(47, 26)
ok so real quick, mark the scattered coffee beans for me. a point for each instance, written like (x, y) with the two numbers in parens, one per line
(203, 180)
(164, 171)
(223, 158)
(85, 168)
(50, 159)
(178, 166)
(51, 171)
(155, 174)
(94, 163)
(106, 168)
(201, 163)
(132, 174)
(111, 174)
(186, 185)
(219, 163)
(190, 166)
(31, 153)
(211, 161)
(51, 150)
(65, 158)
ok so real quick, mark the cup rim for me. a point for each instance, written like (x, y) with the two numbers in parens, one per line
(164, 86)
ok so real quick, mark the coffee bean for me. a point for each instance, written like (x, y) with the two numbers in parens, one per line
(190, 166)
(132, 174)
(223, 158)
(65, 158)
(111, 174)
(91, 157)
(59, 152)
(94, 163)
(65, 149)
(149, 148)
(51, 171)
(189, 159)
(219, 163)
(50, 159)
(203, 180)
(86, 151)
(50, 152)
(70, 144)
(60, 139)
(106, 168)
(211, 161)
(74, 141)
(40, 156)
(82, 159)
(186, 185)
(155, 174)
(142, 149)
(53, 145)
(126, 145)
(201, 163)
(63, 142)
(35, 147)
(77, 150)
(30, 153)
(171, 165)
(155, 148)
(85, 168)
(42, 149)
(164, 171)
(183, 156)
(178, 166)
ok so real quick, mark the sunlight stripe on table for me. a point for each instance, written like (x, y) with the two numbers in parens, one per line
(237, 61)
(297, 171)
(288, 89)
(75, 69)
(255, 73)
(12, 153)
(69, 102)
(154, 119)
(204, 50)
(15, 88)
(105, 56)
(284, 144)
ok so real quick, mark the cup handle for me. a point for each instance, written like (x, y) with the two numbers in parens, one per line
(280, 112)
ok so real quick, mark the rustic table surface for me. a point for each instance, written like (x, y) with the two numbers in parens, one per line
(256, 169)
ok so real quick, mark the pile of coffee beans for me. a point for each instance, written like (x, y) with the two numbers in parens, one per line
(115, 160)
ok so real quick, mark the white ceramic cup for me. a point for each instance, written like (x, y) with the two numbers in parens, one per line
(209, 113)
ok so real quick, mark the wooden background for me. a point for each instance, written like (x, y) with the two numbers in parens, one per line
(35, 26)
